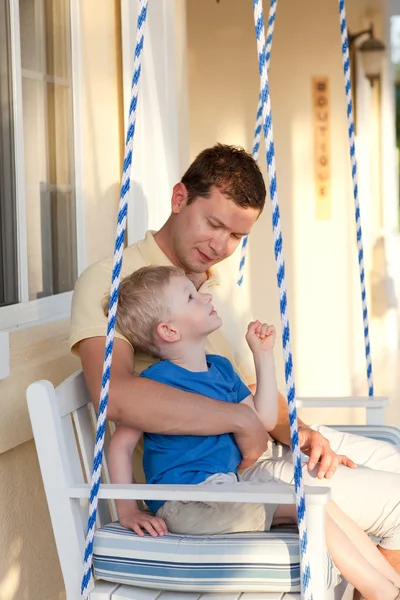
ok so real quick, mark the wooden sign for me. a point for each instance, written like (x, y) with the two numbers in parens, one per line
(321, 147)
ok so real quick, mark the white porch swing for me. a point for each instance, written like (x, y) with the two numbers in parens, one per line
(257, 566)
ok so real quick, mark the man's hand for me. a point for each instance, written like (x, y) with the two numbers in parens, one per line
(250, 436)
(318, 448)
(141, 521)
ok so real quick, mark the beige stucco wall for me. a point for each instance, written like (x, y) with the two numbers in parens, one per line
(29, 564)
(321, 261)
(35, 353)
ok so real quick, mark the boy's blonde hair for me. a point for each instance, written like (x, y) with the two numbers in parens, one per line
(142, 307)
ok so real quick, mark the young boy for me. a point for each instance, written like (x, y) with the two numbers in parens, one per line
(161, 312)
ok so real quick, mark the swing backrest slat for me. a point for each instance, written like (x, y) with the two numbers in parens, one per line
(85, 428)
(63, 423)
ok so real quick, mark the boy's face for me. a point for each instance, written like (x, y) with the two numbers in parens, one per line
(192, 314)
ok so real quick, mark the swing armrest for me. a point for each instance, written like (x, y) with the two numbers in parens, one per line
(240, 492)
(374, 406)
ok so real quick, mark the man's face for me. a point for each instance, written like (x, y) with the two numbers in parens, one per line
(208, 230)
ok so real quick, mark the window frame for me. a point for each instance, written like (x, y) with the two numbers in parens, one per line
(27, 312)
(8, 232)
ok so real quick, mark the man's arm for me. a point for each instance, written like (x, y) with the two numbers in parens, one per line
(150, 406)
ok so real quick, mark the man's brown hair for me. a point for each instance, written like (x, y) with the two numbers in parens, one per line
(232, 170)
(142, 307)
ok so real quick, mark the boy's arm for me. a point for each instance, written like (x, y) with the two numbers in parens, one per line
(120, 453)
(265, 400)
(312, 443)
(261, 340)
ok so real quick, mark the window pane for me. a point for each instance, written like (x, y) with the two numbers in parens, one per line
(59, 127)
(63, 224)
(57, 38)
(395, 51)
(35, 181)
(29, 20)
(57, 220)
(48, 140)
(8, 225)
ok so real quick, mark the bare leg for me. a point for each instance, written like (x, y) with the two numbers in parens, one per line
(363, 543)
(392, 556)
(351, 563)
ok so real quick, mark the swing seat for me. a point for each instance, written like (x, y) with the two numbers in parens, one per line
(253, 566)
(249, 562)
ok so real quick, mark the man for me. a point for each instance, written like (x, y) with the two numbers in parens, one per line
(213, 207)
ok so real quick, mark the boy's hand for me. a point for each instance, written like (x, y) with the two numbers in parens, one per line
(141, 521)
(260, 336)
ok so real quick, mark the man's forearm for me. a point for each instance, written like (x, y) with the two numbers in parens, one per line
(157, 408)
(281, 433)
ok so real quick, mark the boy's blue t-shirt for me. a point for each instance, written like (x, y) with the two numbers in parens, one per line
(190, 459)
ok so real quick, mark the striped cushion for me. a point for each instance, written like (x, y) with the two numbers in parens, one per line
(244, 562)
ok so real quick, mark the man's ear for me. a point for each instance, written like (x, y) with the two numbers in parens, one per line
(179, 197)
(168, 333)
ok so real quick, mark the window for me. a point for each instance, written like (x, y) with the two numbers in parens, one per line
(8, 229)
(395, 51)
(40, 167)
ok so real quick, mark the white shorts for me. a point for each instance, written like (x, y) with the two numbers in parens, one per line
(370, 494)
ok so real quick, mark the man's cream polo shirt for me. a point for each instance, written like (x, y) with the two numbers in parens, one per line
(88, 319)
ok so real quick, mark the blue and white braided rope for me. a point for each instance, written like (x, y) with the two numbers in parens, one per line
(353, 159)
(280, 267)
(255, 154)
(268, 48)
(118, 252)
(257, 131)
(258, 126)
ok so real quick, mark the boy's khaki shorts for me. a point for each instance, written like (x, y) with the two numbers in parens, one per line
(207, 518)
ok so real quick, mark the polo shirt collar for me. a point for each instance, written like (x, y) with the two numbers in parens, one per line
(151, 251)
(153, 255)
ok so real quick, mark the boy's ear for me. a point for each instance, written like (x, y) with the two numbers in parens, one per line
(168, 333)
